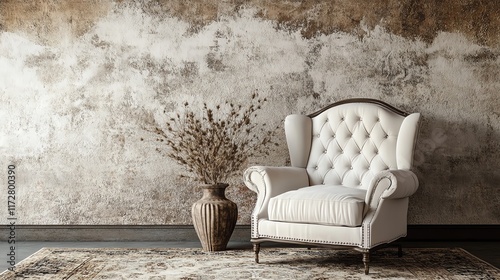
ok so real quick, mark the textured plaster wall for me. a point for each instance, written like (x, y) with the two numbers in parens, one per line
(79, 80)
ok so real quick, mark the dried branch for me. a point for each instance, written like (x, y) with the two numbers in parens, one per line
(215, 144)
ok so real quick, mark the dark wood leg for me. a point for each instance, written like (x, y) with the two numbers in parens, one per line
(366, 261)
(256, 249)
(400, 250)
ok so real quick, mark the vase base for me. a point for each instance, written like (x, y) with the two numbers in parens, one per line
(215, 248)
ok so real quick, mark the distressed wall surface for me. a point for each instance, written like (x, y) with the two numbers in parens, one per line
(80, 79)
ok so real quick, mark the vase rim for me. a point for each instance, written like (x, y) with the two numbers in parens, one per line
(215, 186)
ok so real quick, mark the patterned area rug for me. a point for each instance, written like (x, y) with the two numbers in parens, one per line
(276, 263)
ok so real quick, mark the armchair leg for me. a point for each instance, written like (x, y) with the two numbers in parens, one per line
(366, 261)
(256, 249)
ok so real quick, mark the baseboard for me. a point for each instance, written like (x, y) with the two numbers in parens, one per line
(453, 233)
(186, 233)
(97, 233)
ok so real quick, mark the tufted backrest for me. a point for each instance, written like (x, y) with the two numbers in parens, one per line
(350, 141)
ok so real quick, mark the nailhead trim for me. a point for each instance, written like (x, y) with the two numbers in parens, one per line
(309, 240)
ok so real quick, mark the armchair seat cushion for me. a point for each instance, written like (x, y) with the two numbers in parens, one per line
(319, 204)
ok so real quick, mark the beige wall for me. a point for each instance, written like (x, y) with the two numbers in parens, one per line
(80, 79)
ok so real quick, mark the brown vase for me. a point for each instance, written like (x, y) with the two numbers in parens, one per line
(214, 217)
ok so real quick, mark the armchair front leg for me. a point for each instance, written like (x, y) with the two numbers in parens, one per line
(366, 261)
(366, 258)
(256, 249)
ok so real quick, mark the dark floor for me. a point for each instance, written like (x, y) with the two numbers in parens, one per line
(487, 251)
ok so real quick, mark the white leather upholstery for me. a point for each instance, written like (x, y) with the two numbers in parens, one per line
(327, 205)
(268, 182)
(313, 233)
(298, 130)
(349, 179)
(351, 143)
(391, 184)
(406, 141)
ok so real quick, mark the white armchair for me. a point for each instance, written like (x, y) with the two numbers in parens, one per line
(348, 183)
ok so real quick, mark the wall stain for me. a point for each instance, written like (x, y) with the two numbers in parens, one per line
(483, 55)
(50, 21)
(98, 43)
(414, 19)
(214, 62)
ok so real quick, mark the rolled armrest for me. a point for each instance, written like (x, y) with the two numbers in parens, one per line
(391, 184)
(269, 181)
(404, 184)
(276, 179)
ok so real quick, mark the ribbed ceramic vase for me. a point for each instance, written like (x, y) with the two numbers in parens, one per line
(214, 217)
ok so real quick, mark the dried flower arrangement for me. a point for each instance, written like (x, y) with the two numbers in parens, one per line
(215, 144)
